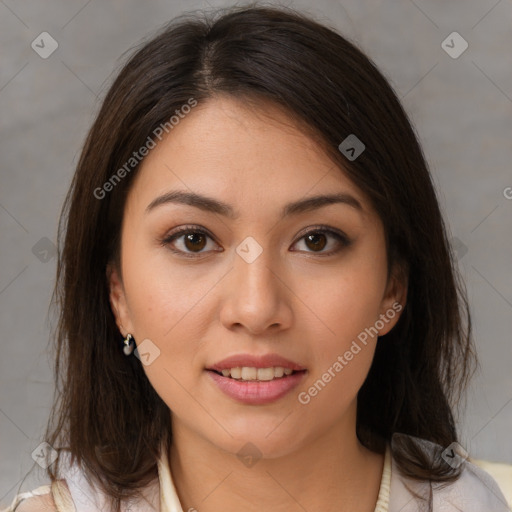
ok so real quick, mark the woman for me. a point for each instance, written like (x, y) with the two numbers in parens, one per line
(259, 308)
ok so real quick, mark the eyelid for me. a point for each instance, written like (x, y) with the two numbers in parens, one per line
(187, 229)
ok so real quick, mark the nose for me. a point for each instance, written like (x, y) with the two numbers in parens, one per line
(256, 297)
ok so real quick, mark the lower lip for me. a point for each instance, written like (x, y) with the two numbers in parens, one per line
(257, 392)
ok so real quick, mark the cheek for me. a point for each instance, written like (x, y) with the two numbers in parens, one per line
(348, 305)
(166, 307)
(348, 299)
(342, 354)
(163, 296)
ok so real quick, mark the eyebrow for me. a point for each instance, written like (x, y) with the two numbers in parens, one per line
(209, 204)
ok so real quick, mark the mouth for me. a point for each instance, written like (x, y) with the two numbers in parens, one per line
(256, 386)
(256, 379)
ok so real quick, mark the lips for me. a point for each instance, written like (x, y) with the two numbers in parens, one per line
(256, 380)
(256, 392)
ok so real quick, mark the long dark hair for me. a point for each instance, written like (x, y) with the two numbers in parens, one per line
(105, 410)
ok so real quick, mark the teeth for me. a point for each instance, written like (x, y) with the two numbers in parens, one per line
(236, 373)
(249, 373)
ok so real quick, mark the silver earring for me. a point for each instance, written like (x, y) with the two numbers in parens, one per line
(129, 345)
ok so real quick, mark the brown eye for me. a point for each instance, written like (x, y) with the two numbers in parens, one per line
(195, 241)
(188, 241)
(316, 241)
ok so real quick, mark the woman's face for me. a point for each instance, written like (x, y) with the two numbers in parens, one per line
(253, 277)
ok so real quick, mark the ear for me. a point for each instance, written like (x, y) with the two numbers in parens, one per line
(394, 298)
(118, 302)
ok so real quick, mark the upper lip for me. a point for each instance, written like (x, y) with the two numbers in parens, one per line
(251, 361)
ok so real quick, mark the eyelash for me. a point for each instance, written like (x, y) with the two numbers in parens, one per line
(166, 241)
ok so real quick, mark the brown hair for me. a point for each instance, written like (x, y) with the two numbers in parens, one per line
(107, 413)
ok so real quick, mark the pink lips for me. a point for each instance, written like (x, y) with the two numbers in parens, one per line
(256, 392)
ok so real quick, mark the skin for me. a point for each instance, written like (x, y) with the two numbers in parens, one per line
(291, 300)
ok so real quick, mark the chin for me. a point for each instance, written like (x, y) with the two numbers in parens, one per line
(258, 442)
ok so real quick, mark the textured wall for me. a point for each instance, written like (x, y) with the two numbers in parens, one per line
(461, 106)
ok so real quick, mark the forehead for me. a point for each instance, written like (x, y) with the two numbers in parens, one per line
(246, 156)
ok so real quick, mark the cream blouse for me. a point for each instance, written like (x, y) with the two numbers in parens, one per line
(474, 491)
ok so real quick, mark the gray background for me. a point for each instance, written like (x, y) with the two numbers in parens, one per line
(461, 108)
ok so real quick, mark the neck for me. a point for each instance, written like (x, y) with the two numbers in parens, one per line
(333, 472)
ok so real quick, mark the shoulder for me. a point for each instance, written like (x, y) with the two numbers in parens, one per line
(37, 500)
(42, 503)
(501, 473)
(474, 489)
